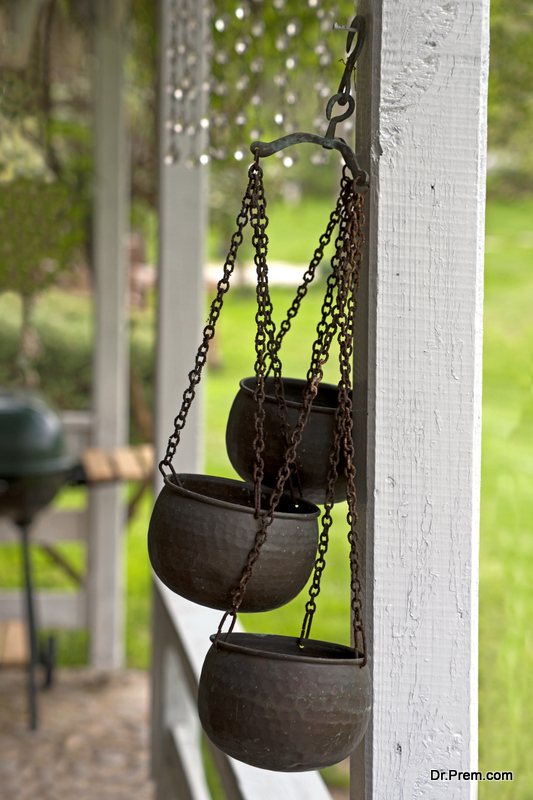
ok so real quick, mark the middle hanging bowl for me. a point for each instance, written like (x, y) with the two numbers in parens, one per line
(200, 535)
(313, 452)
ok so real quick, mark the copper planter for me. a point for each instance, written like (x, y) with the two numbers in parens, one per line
(264, 701)
(200, 536)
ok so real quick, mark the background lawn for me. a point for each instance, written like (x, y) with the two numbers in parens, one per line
(506, 559)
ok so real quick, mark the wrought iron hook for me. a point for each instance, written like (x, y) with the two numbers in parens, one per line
(342, 96)
(357, 25)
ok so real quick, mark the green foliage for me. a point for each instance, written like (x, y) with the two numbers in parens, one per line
(510, 106)
(40, 232)
(141, 71)
(506, 557)
(271, 37)
(64, 324)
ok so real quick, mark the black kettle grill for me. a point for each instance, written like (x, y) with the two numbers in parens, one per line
(33, 467)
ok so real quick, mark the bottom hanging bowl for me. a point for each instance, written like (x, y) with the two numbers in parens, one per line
(264, 701)
(200, 535)
(312, 455)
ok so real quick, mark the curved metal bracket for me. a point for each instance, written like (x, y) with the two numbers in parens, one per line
(264, 149)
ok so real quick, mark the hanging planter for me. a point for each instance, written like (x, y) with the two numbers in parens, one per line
(309, 472)
(264, 701)
(202, 531)
(277, 702)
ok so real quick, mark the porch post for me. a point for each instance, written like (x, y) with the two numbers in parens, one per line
(422, 84)
(110, 397)
(182, 226)
(178, 771)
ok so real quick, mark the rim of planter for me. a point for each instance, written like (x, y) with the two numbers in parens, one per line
(300, 382)
(276, 639)
(304, 509)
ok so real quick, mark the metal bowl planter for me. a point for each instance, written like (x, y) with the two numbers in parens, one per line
(200, 535)
(264, 701)
(312, 457)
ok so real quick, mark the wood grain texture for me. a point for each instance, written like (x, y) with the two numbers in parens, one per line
(426, 98)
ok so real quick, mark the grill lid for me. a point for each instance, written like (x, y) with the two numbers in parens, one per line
(31, 436)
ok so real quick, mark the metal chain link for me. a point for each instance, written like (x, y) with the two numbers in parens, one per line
(209, 330)
(349, 257)
(327, 326)
(329, 322)
(265, 340)
(346, 367)
(309, 274)
(285, 326)
(308, 396)
(263, 319)
(337, 316)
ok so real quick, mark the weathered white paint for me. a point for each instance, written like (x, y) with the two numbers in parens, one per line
(111, 356)
(422, 105)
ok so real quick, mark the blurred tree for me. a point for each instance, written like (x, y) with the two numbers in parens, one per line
(40, 235)
(511, 97)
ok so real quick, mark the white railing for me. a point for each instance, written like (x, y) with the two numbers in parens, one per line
(181, 639)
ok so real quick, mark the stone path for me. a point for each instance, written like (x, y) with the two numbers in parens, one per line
(92, 742)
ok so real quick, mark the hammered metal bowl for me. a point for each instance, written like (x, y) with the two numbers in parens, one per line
(264, 701)
(312, 456)
(200, 535)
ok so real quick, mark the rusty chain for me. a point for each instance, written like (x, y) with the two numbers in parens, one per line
(346, 265)
(264, 325)
(309, 274)
(334, 316)
(337, 315)
(285, 326)
(209, 330)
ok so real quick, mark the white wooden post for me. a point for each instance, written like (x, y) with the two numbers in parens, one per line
(182, 228)
(422, 86)
(110, 397)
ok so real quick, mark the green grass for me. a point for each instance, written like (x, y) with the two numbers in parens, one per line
(506, 558)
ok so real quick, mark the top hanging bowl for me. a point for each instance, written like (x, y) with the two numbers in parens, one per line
(312, 456)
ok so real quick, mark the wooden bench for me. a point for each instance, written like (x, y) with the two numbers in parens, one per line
(14, 650)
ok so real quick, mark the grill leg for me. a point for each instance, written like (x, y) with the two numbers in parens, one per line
(30, 613)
